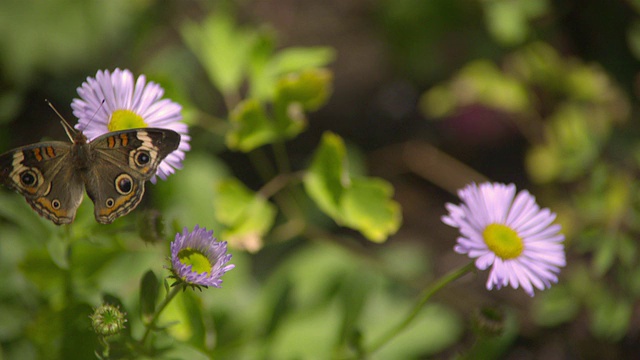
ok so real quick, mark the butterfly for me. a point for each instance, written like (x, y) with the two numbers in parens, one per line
(113, 168)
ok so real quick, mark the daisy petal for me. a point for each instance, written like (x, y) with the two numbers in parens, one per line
(108, 93)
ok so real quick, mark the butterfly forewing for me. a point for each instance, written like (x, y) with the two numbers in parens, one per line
(42, 173)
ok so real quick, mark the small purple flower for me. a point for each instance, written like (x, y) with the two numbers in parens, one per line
(197, 259)
(510, 234)
(112, 102)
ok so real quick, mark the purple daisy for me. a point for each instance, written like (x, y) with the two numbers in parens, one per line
(112, 102)
(509, 233)
(197, 259)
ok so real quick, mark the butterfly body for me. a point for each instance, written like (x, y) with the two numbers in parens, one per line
(113, 168)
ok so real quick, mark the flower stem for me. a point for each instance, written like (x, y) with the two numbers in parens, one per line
(281, 157)
(174, 291)
(106, 347)
(426, 295)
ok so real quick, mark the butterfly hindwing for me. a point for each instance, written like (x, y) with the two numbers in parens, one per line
(123, 162)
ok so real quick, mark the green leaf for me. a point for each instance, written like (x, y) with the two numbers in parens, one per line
(311, 88)
(360, 203)
(266, 69)
(296, 93)
(605, 255)
(627, 250)
(40, 270)
(187, 197)
(262, 77)
(297, 59)
(59, 250)
(366, 207)
(149, 290)
(327, 177)
(353, 296)
(185, 351)
(506, 21)
(633, 38)
(183, 318)
(247, 215)
(611, 317)
(251, 128)
(556, 306)
(222, 48)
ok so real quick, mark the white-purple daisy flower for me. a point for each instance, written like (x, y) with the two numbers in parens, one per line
(112, 102)
(197, 259)
(509, 233)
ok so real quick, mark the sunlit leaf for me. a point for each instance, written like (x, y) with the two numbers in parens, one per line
(247, 215)
(328, 175)
(267, 70)
(543, 164)
(295, 59)
(183, 318)
(438, 102)
(296, 93)
(251, 128)
(360, 203)
(366, 207)
(508, 21)
(222, 47)
(311, 88)
(187, 197)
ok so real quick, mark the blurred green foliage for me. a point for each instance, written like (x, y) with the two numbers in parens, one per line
(312, 277)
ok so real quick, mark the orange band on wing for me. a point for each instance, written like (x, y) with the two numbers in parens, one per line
(44, 208)
(37, 154)
(50, 152)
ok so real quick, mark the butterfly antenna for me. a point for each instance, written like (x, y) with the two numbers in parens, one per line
(67, 127)
(95, 113)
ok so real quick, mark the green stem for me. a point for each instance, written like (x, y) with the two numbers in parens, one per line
(278, 183)
(174, 291)
(426, 295)
(261, 164)
(106, 347)
(281, 156)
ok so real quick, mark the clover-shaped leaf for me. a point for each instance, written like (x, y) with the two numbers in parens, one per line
(366, 207)
(327, 177)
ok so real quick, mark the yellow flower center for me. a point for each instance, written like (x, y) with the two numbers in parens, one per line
(199, 263)
(125, 119)
(503, 241)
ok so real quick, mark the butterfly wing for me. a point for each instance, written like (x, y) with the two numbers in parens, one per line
(122, 162)
(42, 173)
